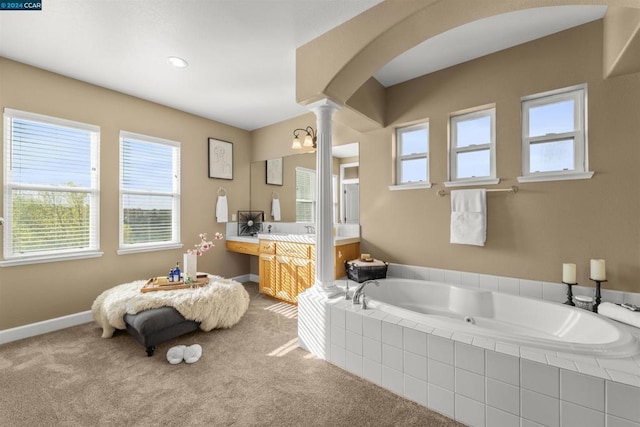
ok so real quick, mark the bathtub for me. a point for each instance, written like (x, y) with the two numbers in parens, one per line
(502, 317)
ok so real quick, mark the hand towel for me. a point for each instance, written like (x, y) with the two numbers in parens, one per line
(222, 209)
(468, 217)
(275, 209)
(620, 314)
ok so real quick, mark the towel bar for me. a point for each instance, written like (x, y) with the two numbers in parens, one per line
(514, 189)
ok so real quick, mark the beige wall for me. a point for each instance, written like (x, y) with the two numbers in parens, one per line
(532, 233)
(37, 292)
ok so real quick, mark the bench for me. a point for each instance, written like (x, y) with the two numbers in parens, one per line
(158, 325)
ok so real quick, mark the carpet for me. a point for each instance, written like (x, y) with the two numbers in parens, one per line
(252, 374)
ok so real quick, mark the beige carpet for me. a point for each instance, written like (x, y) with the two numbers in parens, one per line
(250, 375)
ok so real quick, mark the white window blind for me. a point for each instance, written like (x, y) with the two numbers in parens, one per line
(149, 193)
(305, 195)
(51, 197)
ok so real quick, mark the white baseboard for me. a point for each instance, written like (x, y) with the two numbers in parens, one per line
(247, 278)
(39, 328)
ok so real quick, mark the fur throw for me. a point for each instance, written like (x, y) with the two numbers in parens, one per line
(220, 304)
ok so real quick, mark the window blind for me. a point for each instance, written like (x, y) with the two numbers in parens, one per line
(305, 195)
(52, 186)
(149, 190)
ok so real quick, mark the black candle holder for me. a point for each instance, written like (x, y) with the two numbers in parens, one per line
(569, 300)
(596, 303)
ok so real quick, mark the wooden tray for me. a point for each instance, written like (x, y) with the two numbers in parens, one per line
(152, 285)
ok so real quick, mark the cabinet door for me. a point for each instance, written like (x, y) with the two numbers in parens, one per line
(294, 276)
(305, 275)
(267, 270)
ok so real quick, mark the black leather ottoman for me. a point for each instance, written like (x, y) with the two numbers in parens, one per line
(157, 325)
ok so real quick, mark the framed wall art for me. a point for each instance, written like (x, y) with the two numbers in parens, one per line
(220, 159)
(274, 171)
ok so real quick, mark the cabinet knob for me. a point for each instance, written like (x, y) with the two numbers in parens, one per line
(339, 254)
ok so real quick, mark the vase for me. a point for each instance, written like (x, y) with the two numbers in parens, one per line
(190, 266)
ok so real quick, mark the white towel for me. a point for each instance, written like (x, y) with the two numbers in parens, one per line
(222, 209)
(620, 314)
(469, 217)
(275, 209)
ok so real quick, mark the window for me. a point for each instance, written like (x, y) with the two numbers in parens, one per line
(472, 154)
(306, 195)
(412, 145)
(51, 197)
(554, 142)
(149, 193)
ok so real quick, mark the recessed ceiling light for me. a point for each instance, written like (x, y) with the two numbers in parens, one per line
(178, 62)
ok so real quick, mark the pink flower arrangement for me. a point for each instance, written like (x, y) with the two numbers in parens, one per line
(204, 244)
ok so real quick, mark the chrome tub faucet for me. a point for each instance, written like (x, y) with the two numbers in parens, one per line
(359, 293)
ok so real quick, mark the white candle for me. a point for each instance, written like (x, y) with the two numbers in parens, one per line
(569, 273)
(598, 269)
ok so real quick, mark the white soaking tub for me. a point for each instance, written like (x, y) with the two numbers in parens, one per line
(502, 317)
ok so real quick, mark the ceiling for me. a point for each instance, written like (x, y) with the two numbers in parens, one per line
(241, 53)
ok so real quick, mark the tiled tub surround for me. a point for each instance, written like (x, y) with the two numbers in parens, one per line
(478, 381)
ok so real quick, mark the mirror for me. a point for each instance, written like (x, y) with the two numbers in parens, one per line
(301, 167)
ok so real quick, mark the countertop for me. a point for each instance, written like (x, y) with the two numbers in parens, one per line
(296, 238)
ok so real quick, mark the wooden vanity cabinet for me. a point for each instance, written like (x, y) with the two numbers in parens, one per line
(286, 269)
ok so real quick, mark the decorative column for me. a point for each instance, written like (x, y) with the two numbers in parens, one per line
(325, 251)
(314, 305)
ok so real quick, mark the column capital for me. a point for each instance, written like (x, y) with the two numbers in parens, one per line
(324, 104)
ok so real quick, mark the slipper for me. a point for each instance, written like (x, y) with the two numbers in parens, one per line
(176, 354)
(192, 353)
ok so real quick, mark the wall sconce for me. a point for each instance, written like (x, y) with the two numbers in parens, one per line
(310, 139)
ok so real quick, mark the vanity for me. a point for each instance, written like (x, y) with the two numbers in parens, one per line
(285, 247)
(286, 261)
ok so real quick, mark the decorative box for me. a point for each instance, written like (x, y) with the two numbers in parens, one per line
(361, 271)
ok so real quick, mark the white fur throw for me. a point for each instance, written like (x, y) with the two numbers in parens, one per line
(220, 304)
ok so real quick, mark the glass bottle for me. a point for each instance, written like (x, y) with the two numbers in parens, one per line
(176, 273)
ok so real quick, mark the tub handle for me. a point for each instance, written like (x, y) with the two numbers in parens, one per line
(364, 301)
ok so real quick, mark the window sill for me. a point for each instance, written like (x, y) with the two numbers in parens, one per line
(50, 258)
(472, 181)
(150, 248)
(411, 186)
(546, 177)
